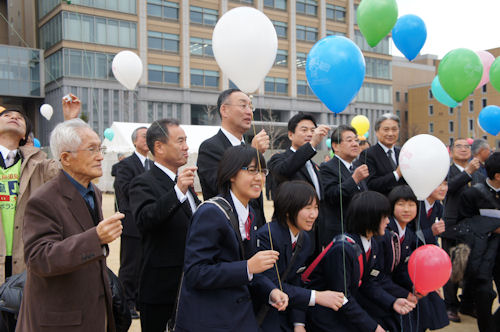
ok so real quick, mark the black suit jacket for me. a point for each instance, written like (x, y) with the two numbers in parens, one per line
(458, 181)
(333, 173)
(126, 170)
(163, 223)
(381, 177)
(209, 155)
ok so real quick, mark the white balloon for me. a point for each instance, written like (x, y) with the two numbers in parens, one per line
(424, 162)
(46, 110)
(127, 68)
(245, 44)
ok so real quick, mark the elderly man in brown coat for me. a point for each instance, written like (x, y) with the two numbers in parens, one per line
(65, 241)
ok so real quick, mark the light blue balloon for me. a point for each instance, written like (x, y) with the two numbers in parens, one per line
(109, 133)
(441, 95)
(409, 35)
(329, 143)
(335, 71)
(36, 143)
(489, 119)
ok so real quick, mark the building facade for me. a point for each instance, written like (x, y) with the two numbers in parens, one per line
(181, 78)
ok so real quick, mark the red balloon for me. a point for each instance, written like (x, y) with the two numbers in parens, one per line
(429, 268)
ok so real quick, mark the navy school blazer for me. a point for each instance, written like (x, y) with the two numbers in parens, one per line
(329, 275)
(298, 297)
(215, 294)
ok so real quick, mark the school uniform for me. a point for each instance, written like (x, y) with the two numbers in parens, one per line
(430, 312)
(299, 298)
(330, 275)
(215, 294)
(428, 214)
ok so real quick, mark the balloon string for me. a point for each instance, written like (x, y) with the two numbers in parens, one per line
(259, 167)
(341, 215)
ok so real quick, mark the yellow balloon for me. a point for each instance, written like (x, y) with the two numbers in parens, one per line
(361, 124)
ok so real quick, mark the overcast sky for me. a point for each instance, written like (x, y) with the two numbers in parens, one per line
(451, 24)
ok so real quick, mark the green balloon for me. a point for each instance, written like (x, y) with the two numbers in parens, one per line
(376, 18)
(460, 72)
(495, 74)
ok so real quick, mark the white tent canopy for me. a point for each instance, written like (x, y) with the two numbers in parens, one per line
(122, 143)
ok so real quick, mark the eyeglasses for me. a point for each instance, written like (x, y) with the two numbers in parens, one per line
(242, 106)
(93, 150)
(460, 146)
(351, 140)
(254, 170)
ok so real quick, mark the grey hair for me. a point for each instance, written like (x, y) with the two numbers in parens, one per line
(66, 136)
(478, 145)
(386, 116)
(134, 133)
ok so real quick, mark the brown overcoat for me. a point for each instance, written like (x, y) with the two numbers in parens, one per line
(67, 287)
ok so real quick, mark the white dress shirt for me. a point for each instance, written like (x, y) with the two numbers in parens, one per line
(235, 141)
(312, 174)
(180, 195)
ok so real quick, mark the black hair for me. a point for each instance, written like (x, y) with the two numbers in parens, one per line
(26, 121)
(223, 97)
(337, 133)
(294, 120)
(292, 197)
(232, 161)
(158, 131)
(492, 165)
(402, 192)
(365, 212)
(363, 142)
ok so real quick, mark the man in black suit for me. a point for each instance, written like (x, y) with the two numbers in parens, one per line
(163, 201)
(296, 164)
(130, 245)
(460, 177)
(340, 177)
(382, 158)
(235, 109)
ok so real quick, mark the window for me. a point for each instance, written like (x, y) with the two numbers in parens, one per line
(378, 68)
(471, 105)
(281, 58)
(450, 111)
(163, 41)
(281, 29)
(375, 93)
(163, 9)
(87, 64)
(335, 33)
(471, 124)
(20, 71)
(204, 78)
(335, 13)
(125, 6)
(431, 127)
(484, 88)
(93, 29)
(163, 74)
(381, 48)
(250, 2)
(431, 109)
(45, 6)
(301, 60)
(430, 94)
(397, 96)
(201, 47)
(308, 7)
(277, 4)
(51, 32)
(484, 102)
(451, 126)
(406, 97)
(451, 141)
(303, 89)
(203, 16)
(276, 85)
(307, 33)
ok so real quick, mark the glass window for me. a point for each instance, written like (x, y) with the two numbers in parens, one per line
(276, 85)
(112, 32)
(335, 33)
(335, 13)
(101, 65)
(484, 88)
(375, 93)
(406, 97)
(431, 109)
(201, 47)
(451, 126)
(303, 89)
(100, 24)
(51, 32)
(281, 58)
(281, 29)
(124, 34)
(163, 74)
(154, 40)
(471, 105)
(450, 111)
(125, 6)
(301, 60)
(204, 78)
(471, 124)
(45, 6)
(163, 41)
(75, 63)
(397, 96)
(307, 33)
(163, 9)
(430, 94)
(308, 7)
(381, 48)
(203, 16)
(378, 68)
(155, 73)
(277, 4)
(88, 64)
(484, 102)
(431, 127)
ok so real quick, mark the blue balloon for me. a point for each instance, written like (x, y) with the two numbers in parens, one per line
(109, 133)
(329, 143)
(489, 119)
(335, 71)
(36, 143)
(409, 35)
(441, 95)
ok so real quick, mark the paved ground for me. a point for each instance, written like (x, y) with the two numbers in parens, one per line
(468, 324)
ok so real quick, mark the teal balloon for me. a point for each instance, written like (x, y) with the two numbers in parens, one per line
(376, 18)
(409, 35)
(329, 143)
(109, 134)
(367, 134)
(489, 119)
(460, 72)
(441, 95)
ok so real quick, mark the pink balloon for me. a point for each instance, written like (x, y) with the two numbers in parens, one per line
(486, 59)
(470, 141)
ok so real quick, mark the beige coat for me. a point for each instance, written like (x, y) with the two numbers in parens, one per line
(36, 169)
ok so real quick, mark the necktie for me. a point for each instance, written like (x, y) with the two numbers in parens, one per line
(429, 213)
(9, 161)
(248, 225)
(147, 166)
(294, 243)
(368, 253)
(393, 164)
(401, 239)
(314, 178)
(243, 143)
(351, 169)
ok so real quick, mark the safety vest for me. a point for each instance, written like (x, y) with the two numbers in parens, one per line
(9, 189)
